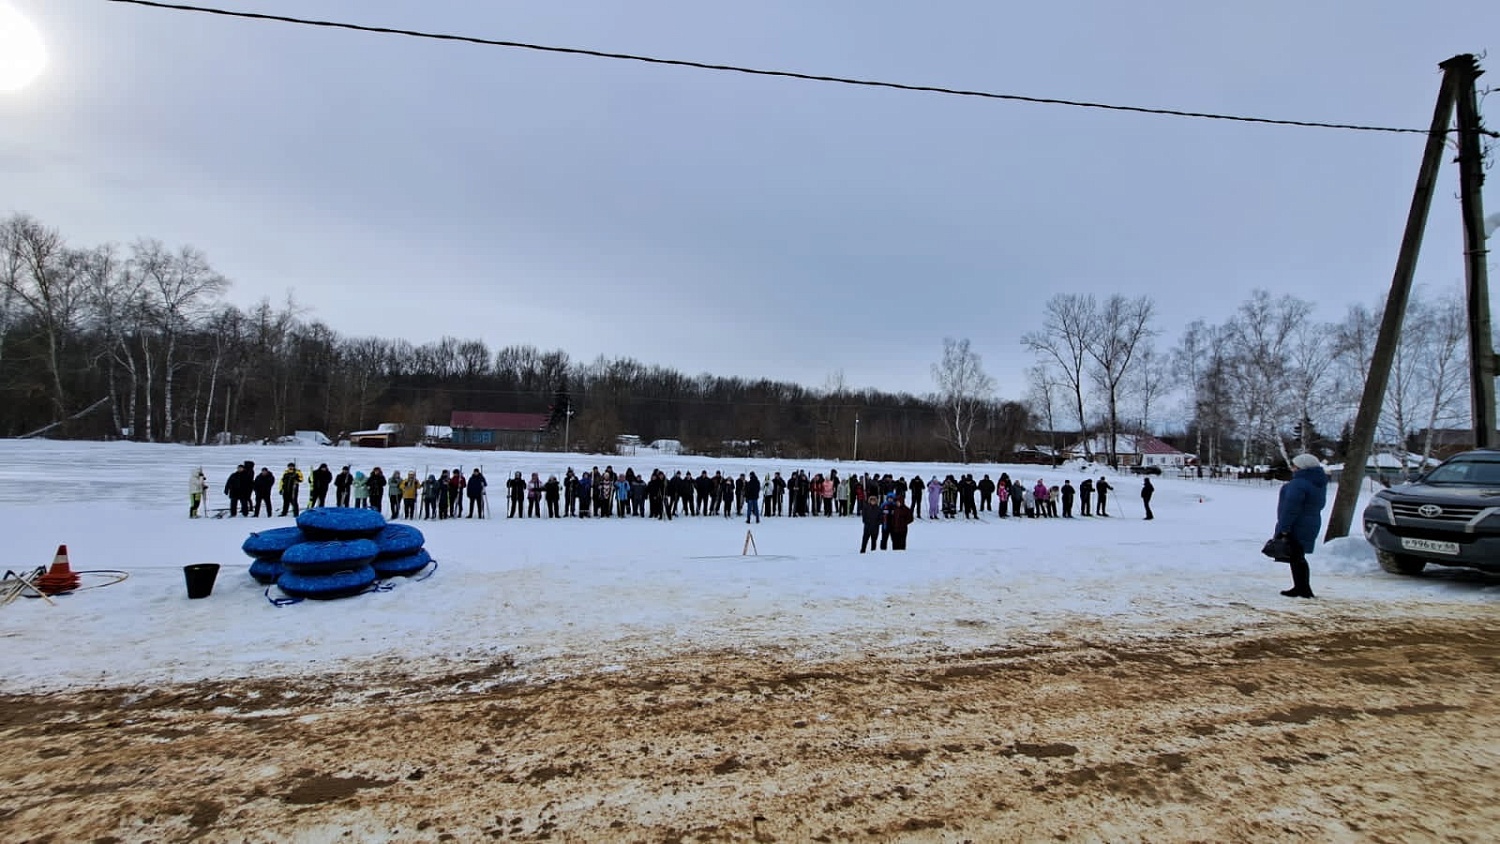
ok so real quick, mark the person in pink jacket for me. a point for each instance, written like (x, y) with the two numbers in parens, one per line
(1040, 493)
(934, 497)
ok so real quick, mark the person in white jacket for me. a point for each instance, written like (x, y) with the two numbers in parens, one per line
(197, 488)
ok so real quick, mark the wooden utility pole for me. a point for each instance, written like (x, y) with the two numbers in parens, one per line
(1362, 439)
(1471, 179)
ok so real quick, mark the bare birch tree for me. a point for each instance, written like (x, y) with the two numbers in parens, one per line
(42, 273)
(963, 392)
(1121, 327)
(1041, 400)
(1149, 382)
(1062, 345)
(184, 289)
(1443, 365)
(1261, 335)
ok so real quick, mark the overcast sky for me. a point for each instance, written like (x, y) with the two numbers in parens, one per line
(740, 225)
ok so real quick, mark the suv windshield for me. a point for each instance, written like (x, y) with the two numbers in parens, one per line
(1466, 472)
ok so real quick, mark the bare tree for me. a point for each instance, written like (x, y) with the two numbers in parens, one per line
(963, 391)
(183, 290)
(114, 303)
(1261, 336)
(1041, 400)
(1190, 365)
(1354, 346)
(1313, 354)
(43, 274)
(1121, 326)
(1150, 380)
(1062, 345)
(1443, 365)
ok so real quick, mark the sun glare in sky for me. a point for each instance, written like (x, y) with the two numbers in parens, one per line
(22, 53)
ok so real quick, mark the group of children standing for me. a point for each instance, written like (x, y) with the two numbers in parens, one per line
(440, 496)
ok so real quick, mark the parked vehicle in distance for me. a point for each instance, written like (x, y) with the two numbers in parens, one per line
(1449, 517)
(1145, 470)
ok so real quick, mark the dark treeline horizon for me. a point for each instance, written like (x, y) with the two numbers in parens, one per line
(138, 343)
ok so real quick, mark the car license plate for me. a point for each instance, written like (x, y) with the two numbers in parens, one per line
(1432, 546)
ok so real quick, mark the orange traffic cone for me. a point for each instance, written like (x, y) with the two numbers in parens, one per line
(60, 578)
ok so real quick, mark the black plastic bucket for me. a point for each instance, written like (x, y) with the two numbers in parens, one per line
(200, 579)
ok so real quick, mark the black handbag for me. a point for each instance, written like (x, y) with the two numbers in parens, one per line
(1278, 548)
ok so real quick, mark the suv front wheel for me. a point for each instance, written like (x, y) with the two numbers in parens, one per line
(1400, 563)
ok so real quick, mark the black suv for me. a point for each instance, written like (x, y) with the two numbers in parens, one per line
(1449, 516)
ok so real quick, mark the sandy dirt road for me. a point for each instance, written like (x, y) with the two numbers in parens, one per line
(1333, 728)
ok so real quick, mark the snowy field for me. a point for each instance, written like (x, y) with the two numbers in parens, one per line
(553, 597)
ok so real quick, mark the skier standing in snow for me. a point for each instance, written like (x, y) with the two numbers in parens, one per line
(376, 483)
(966, 488)
(551, 491)
(1101, 489)
(410, 489)
(262, 486)
(1085, 495)
(393, 493)
(430, 497)
(322, 479)
(238, 488)
(341, 485)
(534, 496)
(1146, 491)
(197, 488)
(442, 495)
(752, 499)
(475, 488)
(360, 490)
(1068, 493)
(515, 490)
(291, 483)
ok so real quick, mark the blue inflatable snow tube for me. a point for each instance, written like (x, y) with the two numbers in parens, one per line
(322, 587)
(270, 544)
(340, 523)
(399, 540)
(402, 566)
(332, 556)
(266, 571)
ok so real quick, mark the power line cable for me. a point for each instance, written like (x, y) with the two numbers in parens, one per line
(785, 74)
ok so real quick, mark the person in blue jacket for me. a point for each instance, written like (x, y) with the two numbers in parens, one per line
(1299, 517)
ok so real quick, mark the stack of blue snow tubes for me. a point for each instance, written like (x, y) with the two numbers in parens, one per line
(401, 553)
(335, 552)
(328, 568)
(266, 548)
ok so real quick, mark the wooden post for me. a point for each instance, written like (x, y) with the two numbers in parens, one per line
(1471, 177)
(1362, 439)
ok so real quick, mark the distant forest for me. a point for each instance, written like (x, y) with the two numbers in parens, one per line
(138, 343)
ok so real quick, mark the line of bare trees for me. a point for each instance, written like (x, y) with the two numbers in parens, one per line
(1267, 380)
(144, 333)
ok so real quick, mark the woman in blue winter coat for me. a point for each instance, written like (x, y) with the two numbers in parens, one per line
(1299, 517)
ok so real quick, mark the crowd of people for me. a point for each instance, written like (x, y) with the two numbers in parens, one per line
(440, 496)
(605, 493)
